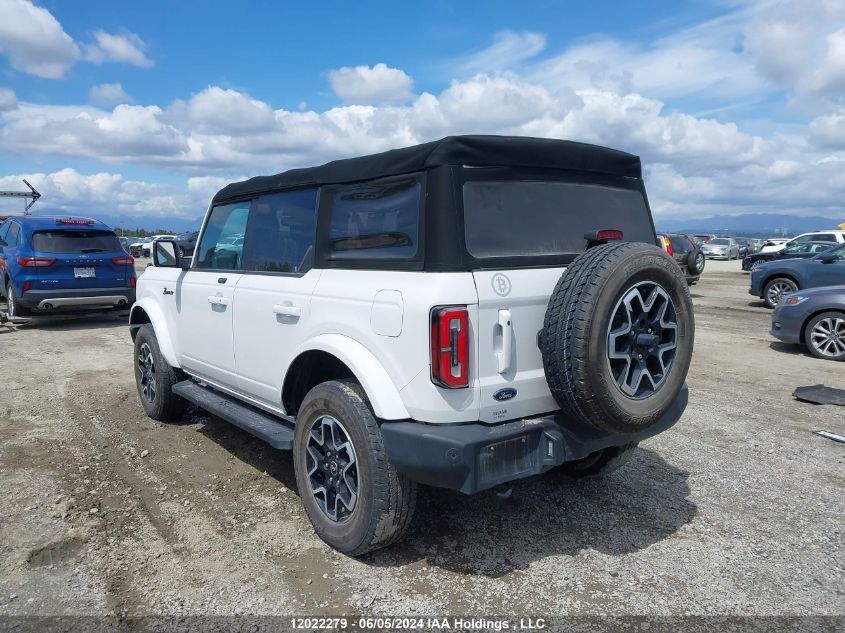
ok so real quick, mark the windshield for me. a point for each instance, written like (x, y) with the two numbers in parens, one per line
(533, 218)
(719, 242)
(75, 242)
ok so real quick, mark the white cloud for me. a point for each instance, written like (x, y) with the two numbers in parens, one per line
(34, 40)
(800, 47)
(828, 131)
(508, 49)
(109, 94)
(379, 84)
(127, 49)
(8, 99)
(225, 111)
(36, 43)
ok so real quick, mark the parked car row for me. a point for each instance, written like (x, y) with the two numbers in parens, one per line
(805, 284)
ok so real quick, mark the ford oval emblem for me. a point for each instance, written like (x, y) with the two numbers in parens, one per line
(504, 394)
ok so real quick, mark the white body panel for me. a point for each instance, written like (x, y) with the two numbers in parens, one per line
(244, 332)
(511, 308)
(838, 235)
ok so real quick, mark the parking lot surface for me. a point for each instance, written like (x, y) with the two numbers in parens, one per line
(736, 510)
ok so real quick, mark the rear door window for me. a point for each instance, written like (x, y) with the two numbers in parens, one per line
(75, 242)
(222, 241)
(534, 218)
(280, 232)
(376, 221)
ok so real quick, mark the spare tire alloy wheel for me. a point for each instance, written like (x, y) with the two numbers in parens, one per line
(332, 468)
(696, 262)
(618, 336)
(642, 339)
(825, 336)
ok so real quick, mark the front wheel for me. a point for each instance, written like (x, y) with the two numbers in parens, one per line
(825, 336)
(353, 496)
(155, 379)
(776, 288)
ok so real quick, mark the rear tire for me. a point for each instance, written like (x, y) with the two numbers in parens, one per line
(776, 288)
(824, 336)
(355, 499)
(599, 463)
(155, 379)
(618, 335)
(13, 307)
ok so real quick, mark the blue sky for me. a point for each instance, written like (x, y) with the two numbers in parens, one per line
(145, 108)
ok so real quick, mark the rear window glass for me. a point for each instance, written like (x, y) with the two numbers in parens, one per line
(720, 242)
(75, 242)
(378, 221)
(530, 218)
(680, 244)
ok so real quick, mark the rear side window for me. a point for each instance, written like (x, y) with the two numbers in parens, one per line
(280, 232)
(680, 244)
(532, 218)
(376, 221)
(13, 237)
(823, 237)
(75, 241)
(222, 241)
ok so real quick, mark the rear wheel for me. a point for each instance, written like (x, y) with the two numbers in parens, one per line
(13, 307)
(825, 336)
(353, 496)
(776, 288)
(155, 379)
(599, 463)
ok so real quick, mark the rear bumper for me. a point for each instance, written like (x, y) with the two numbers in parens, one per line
(473, 457)
(84, 299)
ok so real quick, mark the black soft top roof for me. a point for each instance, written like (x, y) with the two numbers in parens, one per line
(476, 151)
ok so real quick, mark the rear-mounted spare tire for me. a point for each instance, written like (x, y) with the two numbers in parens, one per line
(618, 335)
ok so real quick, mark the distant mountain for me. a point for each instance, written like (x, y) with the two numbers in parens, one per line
(752, 224)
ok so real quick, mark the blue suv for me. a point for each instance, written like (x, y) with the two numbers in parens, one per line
(59, 264)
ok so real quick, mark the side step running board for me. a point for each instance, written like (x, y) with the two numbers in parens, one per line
(276, 432)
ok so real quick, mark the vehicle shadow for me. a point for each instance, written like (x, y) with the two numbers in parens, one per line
(788, 348)
(60, 322)
(245, 447)
(642, 504)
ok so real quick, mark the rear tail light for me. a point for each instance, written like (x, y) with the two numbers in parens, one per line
(450, 347)
(667, 245)
(35, 262)
(128, 261)
(27, 285)
(132, 281)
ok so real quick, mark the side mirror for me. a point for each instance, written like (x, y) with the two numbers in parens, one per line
(166, 255)
(828, 258)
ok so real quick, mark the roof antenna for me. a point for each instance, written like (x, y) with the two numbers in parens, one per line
(33, 194)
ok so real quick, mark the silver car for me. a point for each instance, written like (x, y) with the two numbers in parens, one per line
(721, 248)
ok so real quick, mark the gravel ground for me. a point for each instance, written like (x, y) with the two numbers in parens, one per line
(736, 510)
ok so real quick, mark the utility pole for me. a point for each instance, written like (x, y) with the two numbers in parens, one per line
(32, 194)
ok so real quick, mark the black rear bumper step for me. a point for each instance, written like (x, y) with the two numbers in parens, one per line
(275, 431)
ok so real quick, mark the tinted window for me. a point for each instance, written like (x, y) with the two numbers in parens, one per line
(523, 218)
(798, 248)
(824, 237)
(680, 244)
(223, 240)
(13, 237)
(4, 228)
(720, 241)
(839, 251)
(379, 221)
(280, 232)
(75, 242)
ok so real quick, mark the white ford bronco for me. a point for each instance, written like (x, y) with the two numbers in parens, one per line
(461, 314)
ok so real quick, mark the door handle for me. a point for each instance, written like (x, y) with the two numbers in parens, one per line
(287, 310)
(218, 300)
(503, 356)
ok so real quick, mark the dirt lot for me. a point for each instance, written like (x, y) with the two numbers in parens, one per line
(737, 510)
